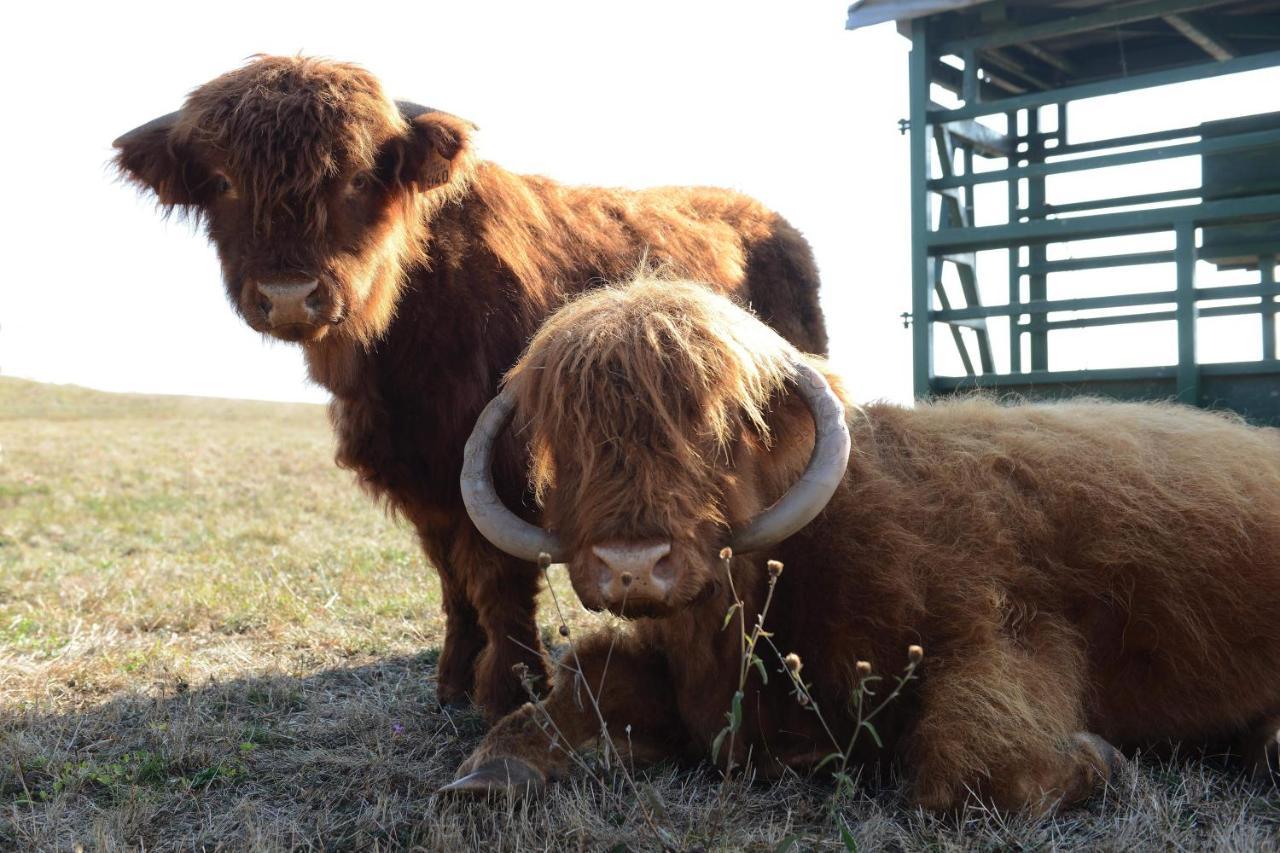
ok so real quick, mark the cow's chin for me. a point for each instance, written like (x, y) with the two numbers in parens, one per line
(298, 333)
(636, 607)
(640, 608)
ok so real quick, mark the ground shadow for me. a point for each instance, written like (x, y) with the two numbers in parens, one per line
(351, 758)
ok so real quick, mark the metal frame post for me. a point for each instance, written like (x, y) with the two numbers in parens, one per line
(1037, 282)
(921, 215)
(1015, 272)
(1267, 271)
(1188, 371)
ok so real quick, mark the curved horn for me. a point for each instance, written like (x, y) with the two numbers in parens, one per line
(822, 476)
(163, 123)
(409, 110)
(491, 517)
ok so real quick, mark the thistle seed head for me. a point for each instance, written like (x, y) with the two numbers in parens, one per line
(793, 662)
(915, 653)
(775, 568)
(863, 668)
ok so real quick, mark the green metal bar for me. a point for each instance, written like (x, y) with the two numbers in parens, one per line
(1102, 262)
(1004, 61)
(1201, 33)
(1110, 320)
(952, 240)
(1228, 310)
(1092, 303)
(1150, 317)
(956, 210)
(1015, 273)
(969, 86)
(1267, 269)
(1159, 373)
(1231, 291)
(1115, 15)
(1124, 141)
(1037, 283)
(935, 273)
(1125, 200)
(967, 212)
(1239, 368)
(1216, 145)
(1182, 74)
(1188, 372)
(1056, 377)
(921, 297)
(1049, 58)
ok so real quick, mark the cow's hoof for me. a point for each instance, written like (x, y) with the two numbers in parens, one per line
(498, 776)
(1105, 758)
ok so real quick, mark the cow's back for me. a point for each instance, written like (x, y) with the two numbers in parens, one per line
(556, 240)
(1153, 530)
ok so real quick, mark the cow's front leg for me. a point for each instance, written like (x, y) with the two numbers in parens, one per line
(463, 637)
(1003, 722)
(502, 593)
(464, 640)
(610, 685)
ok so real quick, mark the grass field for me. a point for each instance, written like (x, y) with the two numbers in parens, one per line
(210, 639)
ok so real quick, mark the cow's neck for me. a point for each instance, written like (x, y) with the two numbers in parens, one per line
(404, 405)
(705, 671)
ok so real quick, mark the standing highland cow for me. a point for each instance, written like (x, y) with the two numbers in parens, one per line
(1081, 574)
(413, 273)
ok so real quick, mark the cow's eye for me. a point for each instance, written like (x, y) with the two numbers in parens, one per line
(221, 183)
(361, 182)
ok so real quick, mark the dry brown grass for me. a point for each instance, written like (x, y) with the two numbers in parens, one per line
(209, 639)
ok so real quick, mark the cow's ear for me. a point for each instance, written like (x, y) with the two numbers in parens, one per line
(152, 158)
(434, 150)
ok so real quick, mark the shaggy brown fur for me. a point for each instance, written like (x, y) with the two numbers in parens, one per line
(434, 269)
(581, 379)
(1079, 573)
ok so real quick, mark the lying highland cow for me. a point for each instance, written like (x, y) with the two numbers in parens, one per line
(413, 273)
(1081, 574)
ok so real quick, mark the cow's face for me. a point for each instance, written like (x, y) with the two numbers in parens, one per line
(646, 537)
(646, 531)
(315, 189)
(663, 420)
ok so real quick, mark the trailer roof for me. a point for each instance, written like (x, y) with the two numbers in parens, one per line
(1037, 45)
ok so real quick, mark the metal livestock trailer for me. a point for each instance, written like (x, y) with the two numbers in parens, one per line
(1010, 70)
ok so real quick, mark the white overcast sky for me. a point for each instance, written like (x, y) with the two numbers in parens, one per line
(772, 98)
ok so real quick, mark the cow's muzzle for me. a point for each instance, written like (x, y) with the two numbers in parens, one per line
(285, 303)
(290, 310)
(640, 573)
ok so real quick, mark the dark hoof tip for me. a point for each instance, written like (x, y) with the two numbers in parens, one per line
(1111, 763)
(496, 777)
